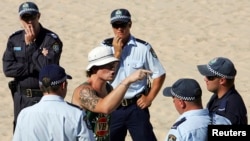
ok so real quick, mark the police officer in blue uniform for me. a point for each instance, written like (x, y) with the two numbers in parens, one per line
(133, 53)
(27, 51)
(192, 125)
(226, 104)
(52, 118)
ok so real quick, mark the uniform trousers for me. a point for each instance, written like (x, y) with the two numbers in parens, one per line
(134, 119)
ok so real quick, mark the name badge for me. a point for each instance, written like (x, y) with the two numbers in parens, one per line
(17, 48)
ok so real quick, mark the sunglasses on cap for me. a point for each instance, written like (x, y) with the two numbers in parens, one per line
(29, 17)
(119, 25)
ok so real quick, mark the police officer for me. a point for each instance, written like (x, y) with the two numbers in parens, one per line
(133, 53)
(27, 51)
(52, 118)
(192, 125)
(226, 104)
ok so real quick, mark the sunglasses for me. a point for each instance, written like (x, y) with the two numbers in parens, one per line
(29, 17)
(119, 25)
(211, 78)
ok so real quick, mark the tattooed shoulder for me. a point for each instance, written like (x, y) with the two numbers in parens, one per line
(88, 97)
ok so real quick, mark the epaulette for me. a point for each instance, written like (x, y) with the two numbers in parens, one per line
(108, 41)
(53, 35)
(141, 41)
(74, 105)
(17, 32)
(178, 123)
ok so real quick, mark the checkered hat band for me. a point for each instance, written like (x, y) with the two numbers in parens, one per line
(181, 97)
(219, 74)
(53, 83)
(120, 17)
(29, 10)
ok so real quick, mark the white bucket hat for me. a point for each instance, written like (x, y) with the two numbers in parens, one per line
(99, 56)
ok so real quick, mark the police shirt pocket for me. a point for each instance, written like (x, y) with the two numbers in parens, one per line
(20, 56)
(135, 65)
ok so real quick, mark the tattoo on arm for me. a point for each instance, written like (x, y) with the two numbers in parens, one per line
(88, 98)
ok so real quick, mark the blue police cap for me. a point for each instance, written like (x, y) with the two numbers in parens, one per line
(219, 66)
(54, 73)
(28, 8)
(120, 15)
(186, 89)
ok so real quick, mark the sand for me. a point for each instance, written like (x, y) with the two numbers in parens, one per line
(183, 33)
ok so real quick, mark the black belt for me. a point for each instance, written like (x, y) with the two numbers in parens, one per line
(127, 102)
(32, 92)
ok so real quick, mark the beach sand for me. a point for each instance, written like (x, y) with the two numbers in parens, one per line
(183, 33)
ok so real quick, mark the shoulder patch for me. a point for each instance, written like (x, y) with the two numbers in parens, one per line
(141, 41)
(74, 105)
(178, 123)
(171, 137)
(108, 41)
(153, 52)
(56, 47)
(85, 118)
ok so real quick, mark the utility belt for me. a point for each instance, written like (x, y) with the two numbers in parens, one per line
(15, 87)
(31, 92)
(127, 102)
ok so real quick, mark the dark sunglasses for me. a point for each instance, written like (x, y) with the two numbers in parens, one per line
(29, 17)
(211, 78)
(119, 25)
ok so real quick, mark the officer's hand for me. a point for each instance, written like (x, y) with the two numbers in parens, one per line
(144, 102)
(117, 44)
(29, 36)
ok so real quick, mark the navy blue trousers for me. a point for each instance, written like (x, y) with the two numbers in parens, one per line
(133, 119)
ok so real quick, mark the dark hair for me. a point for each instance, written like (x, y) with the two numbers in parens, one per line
(230, 82)
(46, 87)
(92, 71)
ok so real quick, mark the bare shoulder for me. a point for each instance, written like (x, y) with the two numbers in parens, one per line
(85, 96)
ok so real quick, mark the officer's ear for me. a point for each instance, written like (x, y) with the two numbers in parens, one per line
(182, 103)
(222, 81)
(64, 84)
(130, 24)
(38, 16)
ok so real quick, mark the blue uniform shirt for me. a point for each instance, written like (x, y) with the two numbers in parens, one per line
(23, 62)
(52, 119)
(230, 109)
(137, 54)
(190, 126)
